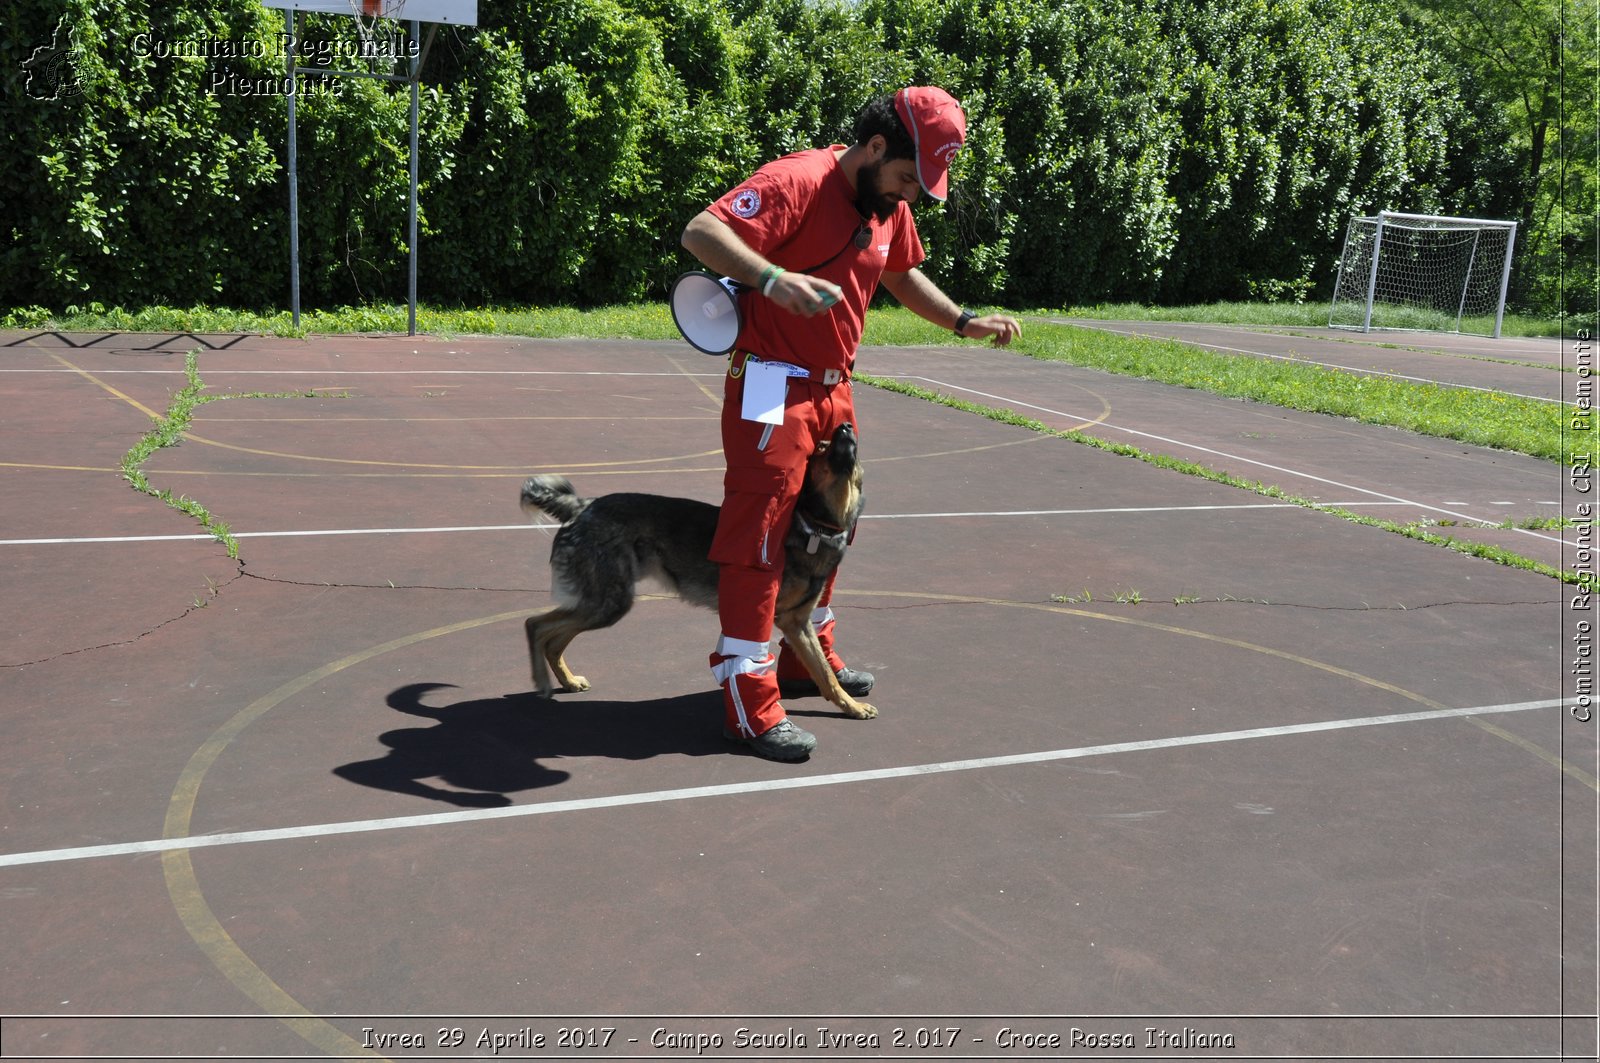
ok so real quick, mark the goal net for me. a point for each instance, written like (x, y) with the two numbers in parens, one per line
(1419, 271)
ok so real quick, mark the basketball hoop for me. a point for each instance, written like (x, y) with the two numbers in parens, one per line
(368, 13)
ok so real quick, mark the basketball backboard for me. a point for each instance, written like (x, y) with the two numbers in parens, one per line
(452, 12)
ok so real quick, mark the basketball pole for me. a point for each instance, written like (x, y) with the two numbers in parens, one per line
(292, 18)
(293, 70)
(411, 221)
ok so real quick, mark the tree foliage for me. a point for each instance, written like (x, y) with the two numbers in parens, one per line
(1155, 150)
(1192, 151)
(125, 179)
(1534, 63)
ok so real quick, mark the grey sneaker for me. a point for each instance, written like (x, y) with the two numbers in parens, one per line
(783, 741)
(856, 684)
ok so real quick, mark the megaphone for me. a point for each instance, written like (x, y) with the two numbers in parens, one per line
(706, 310)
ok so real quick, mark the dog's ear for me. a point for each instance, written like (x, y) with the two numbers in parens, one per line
(842, 451)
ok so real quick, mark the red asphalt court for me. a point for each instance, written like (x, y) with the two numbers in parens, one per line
(1165, 768)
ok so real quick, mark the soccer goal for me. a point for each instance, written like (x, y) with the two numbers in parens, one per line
(1423, 272)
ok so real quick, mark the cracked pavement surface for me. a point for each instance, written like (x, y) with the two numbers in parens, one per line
(363, 661)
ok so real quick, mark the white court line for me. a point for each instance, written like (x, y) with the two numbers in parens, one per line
(547, 527)
(1224, 454)
(1323, 365)
(930, 380)
(657, 797)
(310, 533)
(366, 372)
(269, 535)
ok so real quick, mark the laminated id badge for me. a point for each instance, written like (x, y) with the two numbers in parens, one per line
(765, 388)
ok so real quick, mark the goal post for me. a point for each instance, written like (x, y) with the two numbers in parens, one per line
(1423, 272)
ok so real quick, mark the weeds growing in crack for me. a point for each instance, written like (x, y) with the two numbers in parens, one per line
(168, 431)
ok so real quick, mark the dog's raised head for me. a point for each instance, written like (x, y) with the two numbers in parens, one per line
(833, 477)
(841, 450)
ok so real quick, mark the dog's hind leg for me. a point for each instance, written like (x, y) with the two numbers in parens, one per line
(803, 639)
(549, 634)
(592, 578)
(537, 635)
(555, 647)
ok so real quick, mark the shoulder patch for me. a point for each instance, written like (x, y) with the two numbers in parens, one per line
(747, 204)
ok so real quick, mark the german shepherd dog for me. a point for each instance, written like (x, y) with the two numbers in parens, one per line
(606, 545)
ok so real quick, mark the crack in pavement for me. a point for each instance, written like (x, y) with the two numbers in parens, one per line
(214, 592)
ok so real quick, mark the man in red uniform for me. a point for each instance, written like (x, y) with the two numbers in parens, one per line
(813, 234)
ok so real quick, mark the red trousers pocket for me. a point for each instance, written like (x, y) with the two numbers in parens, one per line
(755, 514)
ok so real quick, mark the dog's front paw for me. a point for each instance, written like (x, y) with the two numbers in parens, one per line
(573, 684)
(860, 710)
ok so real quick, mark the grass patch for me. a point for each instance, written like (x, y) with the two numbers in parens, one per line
(643, 321)
(1537, 523)
(648, 321)
(1129, 597)
(1418, 531)
(1295, 315)
(635, 321)
(1480, 418)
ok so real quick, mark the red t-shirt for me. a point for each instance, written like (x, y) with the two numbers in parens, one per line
(799, 212)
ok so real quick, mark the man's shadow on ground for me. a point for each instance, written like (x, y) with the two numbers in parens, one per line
(484, 749)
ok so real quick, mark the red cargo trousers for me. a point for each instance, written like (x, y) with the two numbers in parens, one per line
(766, 465)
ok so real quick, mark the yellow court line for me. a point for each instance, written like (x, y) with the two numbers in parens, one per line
(1516, 740)
(1105, 405)
(461, 468)
(1105, 412)
(1031, 437)
(54, 468)
(130, 400)
(693, 378)
(518, 471)
(1169, 629)
(136, 404)
(226, 955)
(465, 420)
(1539, 751)
(320, 475)
(184, 888)
(218, 945)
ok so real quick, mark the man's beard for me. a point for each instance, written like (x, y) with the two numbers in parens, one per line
(869, 201)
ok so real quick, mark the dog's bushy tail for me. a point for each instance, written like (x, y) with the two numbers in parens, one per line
(553, 496)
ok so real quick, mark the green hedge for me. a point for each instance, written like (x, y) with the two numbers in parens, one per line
(1147, 150)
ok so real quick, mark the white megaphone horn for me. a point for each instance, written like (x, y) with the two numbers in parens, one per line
(706, 310)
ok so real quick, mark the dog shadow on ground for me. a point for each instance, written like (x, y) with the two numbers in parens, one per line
(481, 750)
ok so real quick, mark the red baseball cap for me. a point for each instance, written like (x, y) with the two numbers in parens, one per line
(938, 128)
